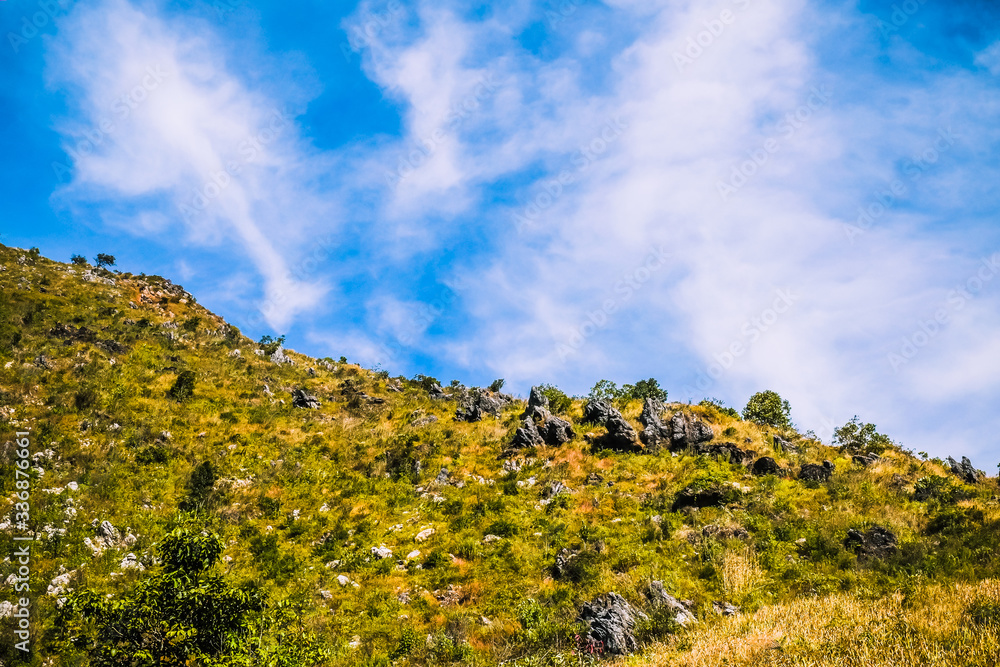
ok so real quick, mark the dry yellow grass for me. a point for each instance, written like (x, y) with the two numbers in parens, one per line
(844, 631)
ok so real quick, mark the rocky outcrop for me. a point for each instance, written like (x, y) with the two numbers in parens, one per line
(715, 496)
(621, 435)
(688, 431)
(655, 434)
(865, 460)
(965, 470)
(726, 450)
(302, 399)
(784, 446)
(611, 622)
(660, 600)
(539, 426)
(876, 543)
(482, 402)
(598, 411)
(765, 465)
(810, 472)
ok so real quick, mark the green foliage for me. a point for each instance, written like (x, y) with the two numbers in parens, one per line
(183, 387)
(769, 409)
(191, 324)
(606, 390)
(200, 487)
(497, 385)
(270, 345)
(857, 438)
(559, 403)
(720, 407)
(935, 487)
(644, 389)
(78, 260)
(426, 382)
(104, 259)
(187, 550)
(983, 611)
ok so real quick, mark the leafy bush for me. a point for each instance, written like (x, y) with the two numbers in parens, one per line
(183, 387)
(78, 260)
(720, 407)
(559, 402)
(270, 345)
(857, 438)
(769, 409)
(983, 611)
(644, 389)
(103, 259)
(497, 385)
(936, 488)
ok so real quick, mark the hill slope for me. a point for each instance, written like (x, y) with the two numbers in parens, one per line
(359, 522)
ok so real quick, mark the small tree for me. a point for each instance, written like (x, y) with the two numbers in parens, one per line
(857, 438)
(644, 389)
(559, 402)
(769, 409)
(200, 487)
(271, 345)
(183, 387)
(78, 260)
(497, 385)
(605, 390)
(103, 260)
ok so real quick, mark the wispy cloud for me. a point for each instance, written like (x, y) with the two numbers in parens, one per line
(168, 135)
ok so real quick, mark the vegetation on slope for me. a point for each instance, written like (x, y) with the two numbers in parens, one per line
(375, 529)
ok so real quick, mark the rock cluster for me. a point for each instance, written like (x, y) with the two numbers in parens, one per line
(658, 598)
(725, 450)
(482, 402)
(539, 426)
(688, 431)
(865, 460)
(611, 622)
(621, 436)
(876, 543)
(965, 470)
(655, 434)
(302, 399)
(810, 472)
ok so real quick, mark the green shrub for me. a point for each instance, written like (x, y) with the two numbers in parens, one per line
(183, 387)
(559, 403)
(720, 407)
(769, 409)
(497, 385)
(857, 438)
(644, 389)
(983, 612)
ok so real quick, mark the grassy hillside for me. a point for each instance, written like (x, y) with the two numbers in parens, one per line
(376, 529)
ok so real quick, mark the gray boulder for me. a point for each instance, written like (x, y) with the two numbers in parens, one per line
(611, 622)
(876, 543)
(965, 470)
(765, 465)
(659, 599)
(621, 436)
(597, 412)
(865, 460)
(783, 445)
(302, 399)
(725, 450)
(688, 431)
(810, 472)
(655, 434)
(526, 436)
(479, 403)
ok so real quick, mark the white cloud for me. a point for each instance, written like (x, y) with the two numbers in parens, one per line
(164, 124)
(657, 183)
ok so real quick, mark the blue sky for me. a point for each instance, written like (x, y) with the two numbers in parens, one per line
(728, 195)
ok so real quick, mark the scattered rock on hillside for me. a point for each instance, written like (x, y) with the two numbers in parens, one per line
(482, 402)
(597, 411)
(621, 436)
(301, 399)
(688, 431)
(784, 445)
(965, 470)
(443, 476)
(692, 497)
(865, 460)
(279, 357)
(810, 472)
(725, 608)
(726, 532)
(876, 543)
(725, 450)
(655, 434)
(660, 599)
(560, 568)
(526, 436)
(552, 430)
(426, 420)
(437, 393)
(381, 552)
(611, 622)
(765, 465)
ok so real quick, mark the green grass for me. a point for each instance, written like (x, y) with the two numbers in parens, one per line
(295, 490)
